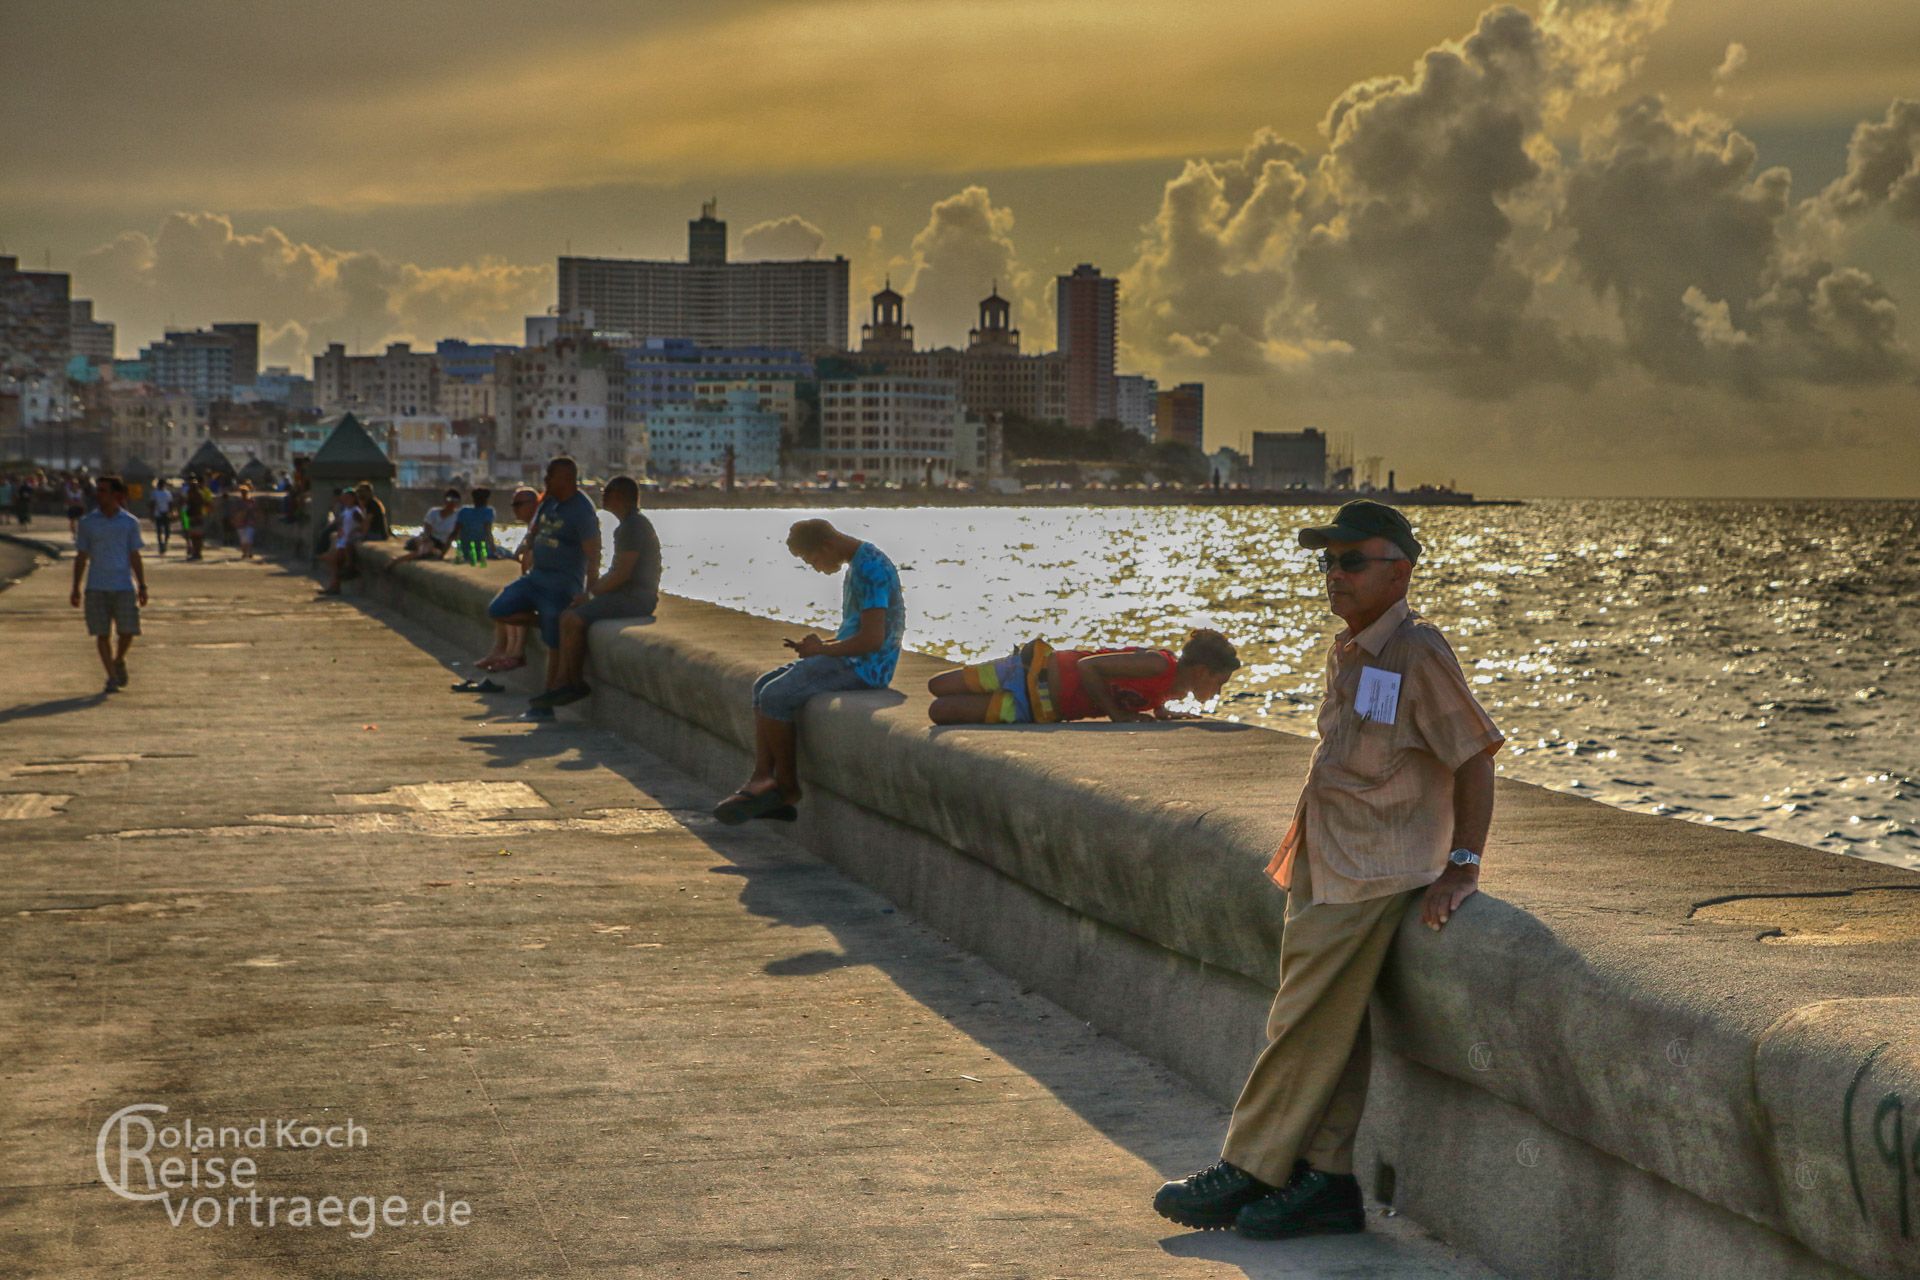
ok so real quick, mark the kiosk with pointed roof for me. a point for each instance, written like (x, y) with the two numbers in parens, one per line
(256, 473)
(347, 456)
(207, 462)
(139, 475)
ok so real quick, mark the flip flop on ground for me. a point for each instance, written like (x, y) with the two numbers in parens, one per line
(743, 806)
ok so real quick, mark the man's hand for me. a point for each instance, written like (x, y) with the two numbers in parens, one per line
(74, 599)
(1444, 896)
(579, 600)
(143, 595)
(807, 646)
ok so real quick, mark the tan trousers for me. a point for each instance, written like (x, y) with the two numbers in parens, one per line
(1304, 1097)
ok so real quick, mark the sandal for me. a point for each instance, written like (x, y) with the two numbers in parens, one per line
(785, 813)
(742, 806)
(479, 686)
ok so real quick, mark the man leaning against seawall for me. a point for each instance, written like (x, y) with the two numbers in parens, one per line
(1396, 807)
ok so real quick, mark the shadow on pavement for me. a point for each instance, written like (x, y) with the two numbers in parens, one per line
(57, 707)
(788, 887)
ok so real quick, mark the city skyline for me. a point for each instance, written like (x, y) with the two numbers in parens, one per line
(1454, 270)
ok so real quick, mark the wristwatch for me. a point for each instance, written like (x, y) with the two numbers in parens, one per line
(1464, 858)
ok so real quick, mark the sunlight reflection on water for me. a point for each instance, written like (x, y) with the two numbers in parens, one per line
(1748, 664)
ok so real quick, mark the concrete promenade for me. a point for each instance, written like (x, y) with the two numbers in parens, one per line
(287, 875)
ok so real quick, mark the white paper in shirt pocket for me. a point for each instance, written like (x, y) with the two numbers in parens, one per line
(1378, 699)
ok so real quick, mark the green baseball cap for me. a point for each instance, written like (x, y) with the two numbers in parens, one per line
(1361, 519)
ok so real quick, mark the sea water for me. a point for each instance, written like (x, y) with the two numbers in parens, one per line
(1754, 665)
(1748, 664)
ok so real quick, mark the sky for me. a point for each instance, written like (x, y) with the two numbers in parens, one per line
(1580, 247)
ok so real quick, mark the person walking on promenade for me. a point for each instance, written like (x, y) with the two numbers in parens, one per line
(106, 560)
(630, 588)
(76, 504)
(160, 506)
(563, 550)
(195, 508)
(862, 655)
(245, 519)
(1396, 807)
(1037, 684)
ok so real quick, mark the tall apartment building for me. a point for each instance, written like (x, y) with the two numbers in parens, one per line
(1180, 414)
(92, 339)
(800, 305)
(246, 350)
(36, 322)
(1285, 459)
(198, 363)
(205, 363)
(1086, 309)
(399, 382)
(1134, 398)
(992, 374)
(897, 429)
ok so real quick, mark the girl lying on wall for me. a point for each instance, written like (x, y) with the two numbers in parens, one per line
(1038, 684)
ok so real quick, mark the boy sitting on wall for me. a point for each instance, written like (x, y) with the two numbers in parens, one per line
(862, 655)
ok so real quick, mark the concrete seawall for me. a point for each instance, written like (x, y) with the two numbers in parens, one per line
(1647, 1048)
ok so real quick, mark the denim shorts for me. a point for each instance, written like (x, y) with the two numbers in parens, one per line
(780, 693)
(535, 593)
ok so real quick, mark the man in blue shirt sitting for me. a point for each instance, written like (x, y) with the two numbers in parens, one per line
(862, 655)
(106, 546)
(562, 555)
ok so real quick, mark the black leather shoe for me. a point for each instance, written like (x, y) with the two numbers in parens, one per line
(1314, 1202)
(1210, 1198)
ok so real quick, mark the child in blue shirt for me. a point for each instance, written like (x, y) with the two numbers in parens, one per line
(862, 655)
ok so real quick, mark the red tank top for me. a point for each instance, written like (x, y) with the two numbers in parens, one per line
(1143, 694)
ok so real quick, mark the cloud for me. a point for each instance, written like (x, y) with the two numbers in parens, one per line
(1883, 166)
(197, 268)
(1599, 44)
(1407, 242)
(1443, 233)
(1732, 63)
(1716, 273)
(782, 239)
(965, 249)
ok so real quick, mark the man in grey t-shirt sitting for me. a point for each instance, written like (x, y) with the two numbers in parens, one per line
(630, 589)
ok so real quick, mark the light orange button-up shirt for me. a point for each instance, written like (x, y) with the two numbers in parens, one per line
(1376, 816)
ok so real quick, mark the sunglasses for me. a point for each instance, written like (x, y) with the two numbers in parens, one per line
(1350, 561)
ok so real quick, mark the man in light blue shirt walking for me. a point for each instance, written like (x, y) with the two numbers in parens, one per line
(107, 546)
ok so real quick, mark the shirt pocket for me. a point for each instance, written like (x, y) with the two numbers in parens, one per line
(1372, 750)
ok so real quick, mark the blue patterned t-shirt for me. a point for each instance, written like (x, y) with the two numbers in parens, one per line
(873, 583)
